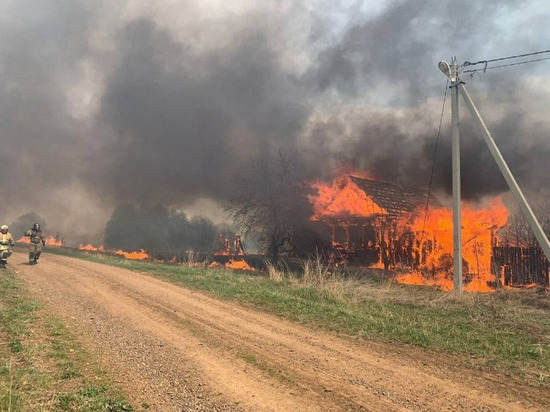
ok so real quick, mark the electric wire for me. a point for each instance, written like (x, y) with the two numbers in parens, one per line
(505, 65)
(517, 56)
(433, 161)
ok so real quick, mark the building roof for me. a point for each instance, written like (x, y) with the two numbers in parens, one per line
(394, 198)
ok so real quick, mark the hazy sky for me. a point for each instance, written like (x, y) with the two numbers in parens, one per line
(103, 102)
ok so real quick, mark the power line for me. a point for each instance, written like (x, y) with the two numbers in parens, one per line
(433, 161)
(517, 56)
(467, 63)
(505, 65)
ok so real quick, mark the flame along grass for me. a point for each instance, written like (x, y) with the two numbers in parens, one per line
(50, 241)
(504, 332)
(43, 367)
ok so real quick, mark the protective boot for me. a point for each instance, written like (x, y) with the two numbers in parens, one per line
(2, 264)
(32, 260)
(36, 256)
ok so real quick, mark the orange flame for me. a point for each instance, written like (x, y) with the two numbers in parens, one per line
(91, 248)
(342, 198)
(238, 264)
(479, 226)
(433, 235)
(50, 241)
(136, 255)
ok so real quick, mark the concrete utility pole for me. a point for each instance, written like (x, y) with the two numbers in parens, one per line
(452, 73)
(457, 86)
(457, 212)
(512, 184)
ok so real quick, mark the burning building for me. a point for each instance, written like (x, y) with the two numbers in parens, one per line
(364, 216)
(382, 224)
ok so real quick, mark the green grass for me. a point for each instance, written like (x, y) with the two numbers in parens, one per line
(42, 365)
(506, 332)
(267, 368)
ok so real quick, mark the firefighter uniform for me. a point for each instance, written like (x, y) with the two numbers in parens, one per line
(6, 243)
(37, 242)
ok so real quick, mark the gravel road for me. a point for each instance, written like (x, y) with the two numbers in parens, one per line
(178, 350)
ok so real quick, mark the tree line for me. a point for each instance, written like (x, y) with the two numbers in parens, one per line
(162, 232)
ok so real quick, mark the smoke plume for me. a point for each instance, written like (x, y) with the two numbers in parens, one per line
(105, 103)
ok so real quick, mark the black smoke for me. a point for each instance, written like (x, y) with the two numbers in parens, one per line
(399, 50)
(183, 121)
(109, 103)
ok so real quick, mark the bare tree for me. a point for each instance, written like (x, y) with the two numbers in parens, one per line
(267, 200)
(518, 233)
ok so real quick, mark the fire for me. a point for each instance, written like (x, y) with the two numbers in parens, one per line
(342, 198)
(232, 264)
(479, 227)
(416, 278)
(238, 264)
(136, 255)
(91, 248)
(50, 241)
(425, 241)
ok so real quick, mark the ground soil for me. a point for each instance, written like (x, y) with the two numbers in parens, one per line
(172, 349)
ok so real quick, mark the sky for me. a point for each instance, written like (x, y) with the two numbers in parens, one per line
(108, 102)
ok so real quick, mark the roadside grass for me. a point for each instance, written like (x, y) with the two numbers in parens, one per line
(505, 332)
(42, 365)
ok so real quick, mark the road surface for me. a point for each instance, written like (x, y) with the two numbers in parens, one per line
(178, 350)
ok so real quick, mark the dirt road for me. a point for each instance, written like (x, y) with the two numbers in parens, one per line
(178, 350)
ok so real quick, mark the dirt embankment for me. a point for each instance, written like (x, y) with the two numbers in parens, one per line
(178, 350)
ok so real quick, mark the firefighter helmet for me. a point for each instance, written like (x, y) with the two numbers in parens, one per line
(36, 226)
(4, 229)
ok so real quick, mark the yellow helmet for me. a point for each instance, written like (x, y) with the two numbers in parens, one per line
(4, 227)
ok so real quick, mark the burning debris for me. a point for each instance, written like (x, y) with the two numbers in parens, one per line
(238, 264)
(238, 246)
(224, 247)
(230, 254)
(227, 248)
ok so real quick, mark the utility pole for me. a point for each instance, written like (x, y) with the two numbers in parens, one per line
(452, 73)
(457, 212)
(457, 86)
(512, 184)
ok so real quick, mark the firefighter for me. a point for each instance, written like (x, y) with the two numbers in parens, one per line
(37, 242)
(6, 243)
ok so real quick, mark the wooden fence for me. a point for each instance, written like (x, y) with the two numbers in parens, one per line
(516, 266)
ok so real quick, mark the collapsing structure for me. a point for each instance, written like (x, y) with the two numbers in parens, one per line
(367, 219)
(387, 225)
